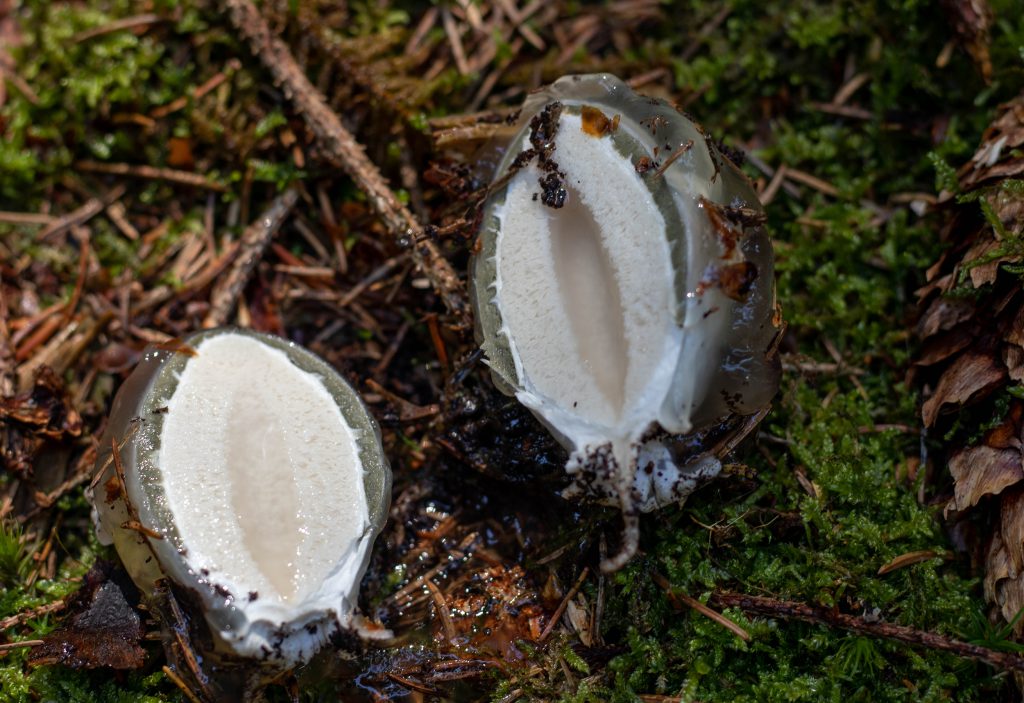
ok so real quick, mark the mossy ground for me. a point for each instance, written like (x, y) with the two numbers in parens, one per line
(837, 488)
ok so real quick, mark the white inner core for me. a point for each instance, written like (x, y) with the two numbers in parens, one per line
(260, 470)
(586, 291)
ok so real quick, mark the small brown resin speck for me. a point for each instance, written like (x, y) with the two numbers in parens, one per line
(645, 164)
(735, 280)
(722, 225)
(112, 488)
(596, 123)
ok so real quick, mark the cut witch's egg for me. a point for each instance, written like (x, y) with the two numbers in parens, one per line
(624, 289)
(250, 474)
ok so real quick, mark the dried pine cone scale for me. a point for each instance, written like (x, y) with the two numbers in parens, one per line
(972, 351)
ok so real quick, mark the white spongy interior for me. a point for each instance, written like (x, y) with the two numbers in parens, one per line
(261, 471)
(586, 291)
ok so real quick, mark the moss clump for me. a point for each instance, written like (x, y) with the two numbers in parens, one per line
(848, 263)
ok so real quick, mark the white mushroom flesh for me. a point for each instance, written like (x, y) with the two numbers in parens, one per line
(261, 471)
(254, 480)
(586, 289)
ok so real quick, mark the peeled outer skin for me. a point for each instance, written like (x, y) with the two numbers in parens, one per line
(726, 364)
(250, 630)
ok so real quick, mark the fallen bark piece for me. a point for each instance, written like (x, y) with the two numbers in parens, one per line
(103, 628)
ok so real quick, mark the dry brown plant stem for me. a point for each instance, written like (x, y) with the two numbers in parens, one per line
(820, 615)
(26, 615)
(343, 149)
(563, 605)
(254, 243)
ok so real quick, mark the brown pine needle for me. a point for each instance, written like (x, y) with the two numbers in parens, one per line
(906, 560)
(185, 178)
(173, 676)
(700, 607)
(549, 628)
(444, 614)
(19, 645)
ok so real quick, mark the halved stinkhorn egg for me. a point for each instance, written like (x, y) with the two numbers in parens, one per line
(245, 470)
(624, 290)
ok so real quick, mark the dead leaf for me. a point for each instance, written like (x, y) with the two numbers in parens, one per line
(943, 314)
(972, 374)
(1011, 527)
(103, 628)
(1015, 335)
(983, 273)
(938, 348)
(996, 158)
(982, 471)
(28, 419)
(1006, 435)
(1013, 357)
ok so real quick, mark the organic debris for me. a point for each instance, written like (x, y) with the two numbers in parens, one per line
(972, 326)
(28, 420)
(103, 627)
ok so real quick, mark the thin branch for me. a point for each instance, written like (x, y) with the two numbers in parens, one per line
(253, 244)
(185, 178)
(177, 681)
(27, 615)
(78, 217)
(25, 218)
(19, 645)
(343, 149)
(819, 615)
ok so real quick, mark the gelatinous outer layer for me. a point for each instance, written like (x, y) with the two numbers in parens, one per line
(624, 283)
(246, 491)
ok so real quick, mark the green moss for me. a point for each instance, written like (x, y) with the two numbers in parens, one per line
(845, 279)
(14, 559)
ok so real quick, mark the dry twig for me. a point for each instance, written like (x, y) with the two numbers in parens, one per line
(153, 173)
(30, 614)
(342, 148)
(820, 615)
(254, 242)
(563, 605)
